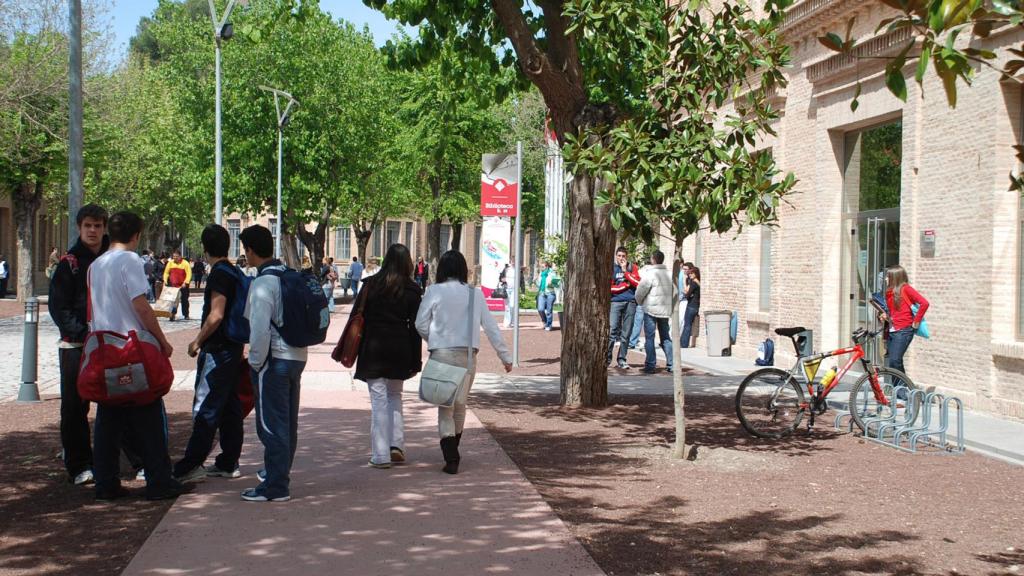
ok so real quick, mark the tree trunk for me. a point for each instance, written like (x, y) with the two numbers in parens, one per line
(584, 371)
(679, 449)
(315, 241)
(434, 227)
(289, 252)
(363, 236)
(26, 199)
(154, 235)
(456, 238)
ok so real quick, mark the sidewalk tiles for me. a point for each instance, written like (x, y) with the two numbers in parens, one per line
(347, 518)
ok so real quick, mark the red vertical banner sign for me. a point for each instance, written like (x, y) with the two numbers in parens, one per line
(498, 186)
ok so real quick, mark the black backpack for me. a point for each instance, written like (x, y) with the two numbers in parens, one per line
(305, 316)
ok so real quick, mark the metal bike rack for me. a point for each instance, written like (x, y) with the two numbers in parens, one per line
(900, 431)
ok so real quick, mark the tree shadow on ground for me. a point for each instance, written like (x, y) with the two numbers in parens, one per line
(584, 462)
(47, 525)
(711, 422)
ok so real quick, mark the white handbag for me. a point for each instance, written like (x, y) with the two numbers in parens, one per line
(441, 383)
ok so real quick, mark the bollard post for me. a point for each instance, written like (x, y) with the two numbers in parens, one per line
(29, 391)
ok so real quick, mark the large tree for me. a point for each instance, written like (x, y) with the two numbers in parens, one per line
(586, 85)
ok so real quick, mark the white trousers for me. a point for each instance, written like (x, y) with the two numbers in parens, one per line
(451, 421)
(387, 427)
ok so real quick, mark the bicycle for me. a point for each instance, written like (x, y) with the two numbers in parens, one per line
(770, 402)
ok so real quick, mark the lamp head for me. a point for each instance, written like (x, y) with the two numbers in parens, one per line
(227, 31)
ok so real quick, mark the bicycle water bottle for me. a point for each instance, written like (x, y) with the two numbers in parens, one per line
(829, 377)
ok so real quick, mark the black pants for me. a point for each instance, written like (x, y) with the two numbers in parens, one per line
(216, 407)
(183, 298)
(198, 280)
(146, 428)
(74, 415)
(3, 287)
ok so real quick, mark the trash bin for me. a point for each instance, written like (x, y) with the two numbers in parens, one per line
(805, 342)
(716, 325)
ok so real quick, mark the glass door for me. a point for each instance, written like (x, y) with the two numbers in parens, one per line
(872, 178)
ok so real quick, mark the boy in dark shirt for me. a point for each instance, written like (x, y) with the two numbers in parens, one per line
(216, 406)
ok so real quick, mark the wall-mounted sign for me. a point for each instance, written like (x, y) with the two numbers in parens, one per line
(928, 244)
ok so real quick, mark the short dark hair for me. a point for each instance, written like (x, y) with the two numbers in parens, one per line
(145, 252)
(258, 239)
(659, 257)
(215, 239)
(178, 252)
(622, 249)
(452, 265)
(355, 258)
(688, 264)
(94, 211)
(123, 226)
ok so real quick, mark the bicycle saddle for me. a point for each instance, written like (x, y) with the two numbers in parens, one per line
(789, 331)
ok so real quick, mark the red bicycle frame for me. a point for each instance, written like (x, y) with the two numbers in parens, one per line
(857, 353)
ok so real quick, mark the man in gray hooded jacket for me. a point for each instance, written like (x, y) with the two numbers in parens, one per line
(656, 293)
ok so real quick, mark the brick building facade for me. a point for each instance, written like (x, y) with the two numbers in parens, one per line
(915, 183)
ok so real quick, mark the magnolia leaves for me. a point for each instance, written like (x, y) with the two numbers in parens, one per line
(935, 28)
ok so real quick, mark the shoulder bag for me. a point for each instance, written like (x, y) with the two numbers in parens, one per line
(347, 349)
(440, 383)
(122, 369)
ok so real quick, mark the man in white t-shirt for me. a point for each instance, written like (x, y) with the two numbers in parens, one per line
(117, 295)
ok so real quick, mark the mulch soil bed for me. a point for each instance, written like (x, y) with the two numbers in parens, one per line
(827, 504)
(48, 526)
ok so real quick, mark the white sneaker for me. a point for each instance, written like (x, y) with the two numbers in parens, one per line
(218, 472)
(197, 474)
(84, 477)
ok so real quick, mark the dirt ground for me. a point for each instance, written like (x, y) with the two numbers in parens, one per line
(48, 526)
(824, 505)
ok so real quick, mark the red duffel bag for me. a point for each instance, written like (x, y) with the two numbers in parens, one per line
(119, 370)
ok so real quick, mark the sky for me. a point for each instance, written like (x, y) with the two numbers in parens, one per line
(125, 16)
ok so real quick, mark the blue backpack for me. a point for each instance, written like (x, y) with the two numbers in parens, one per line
(765, 353)
(305, 316)
(236, 325)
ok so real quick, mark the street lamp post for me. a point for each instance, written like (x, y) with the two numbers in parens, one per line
(282, 121)
(29, 391)
(222, 30)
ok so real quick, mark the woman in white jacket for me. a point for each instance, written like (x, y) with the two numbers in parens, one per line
(442, 322)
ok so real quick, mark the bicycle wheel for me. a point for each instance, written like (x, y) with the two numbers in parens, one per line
(770, 403)
(864, 404)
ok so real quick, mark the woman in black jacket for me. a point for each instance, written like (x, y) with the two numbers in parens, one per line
(389, 352)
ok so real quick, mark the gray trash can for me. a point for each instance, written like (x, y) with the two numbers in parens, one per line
(716, 325)
(805, 340)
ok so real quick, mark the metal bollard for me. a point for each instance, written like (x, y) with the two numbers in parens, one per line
(29, 391)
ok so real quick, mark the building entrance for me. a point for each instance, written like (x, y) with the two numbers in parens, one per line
(872, 187)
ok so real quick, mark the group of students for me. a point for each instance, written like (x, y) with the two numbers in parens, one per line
(643, 298)
(101, 284)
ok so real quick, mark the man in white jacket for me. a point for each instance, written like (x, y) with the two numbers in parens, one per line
(656, 293)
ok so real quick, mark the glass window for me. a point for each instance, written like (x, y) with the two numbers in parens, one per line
(234, 229)
(343, 243)
(272, 224)
(446, 237)
(375, 242)
(392, 234)
(765, 287)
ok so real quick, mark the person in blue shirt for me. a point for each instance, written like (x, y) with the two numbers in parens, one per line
(355, 272)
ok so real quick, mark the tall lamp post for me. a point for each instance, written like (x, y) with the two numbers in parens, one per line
(282, 120)
(222, 30)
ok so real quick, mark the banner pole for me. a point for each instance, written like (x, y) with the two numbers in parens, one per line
(518, 252)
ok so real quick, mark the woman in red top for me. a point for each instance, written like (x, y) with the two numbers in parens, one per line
(900, 297)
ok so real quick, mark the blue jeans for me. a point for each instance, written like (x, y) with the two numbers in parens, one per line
(621, 320)
(688, 316)
(355, 287)
(662, 325)
(638, 323)
(277, 421)
(899, 341)
(546, 307)
(215, 408)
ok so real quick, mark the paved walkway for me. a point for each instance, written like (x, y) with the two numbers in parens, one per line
(347, 518)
